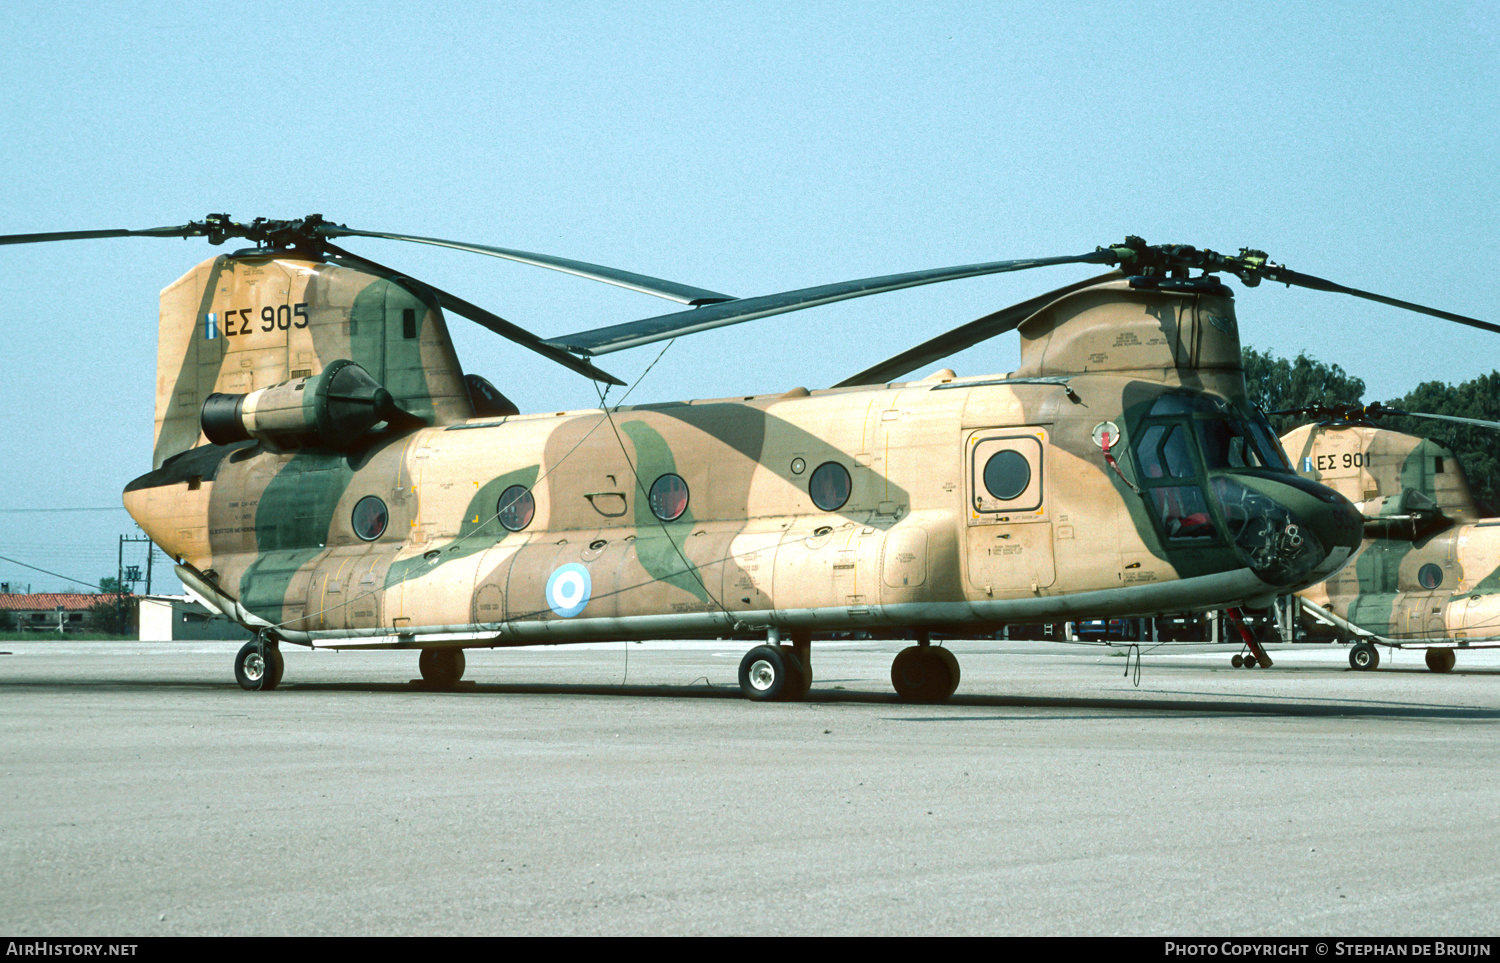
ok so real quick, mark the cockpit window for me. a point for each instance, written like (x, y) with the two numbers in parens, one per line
(1163, 452)
(1226, 445)
(1269, 445)
(1184, 514)
(1229, 436)
(1170, 404)
(1148, 452)
(1176, 454)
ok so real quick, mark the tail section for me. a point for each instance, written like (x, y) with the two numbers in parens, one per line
(238, 323)
(1382, 471)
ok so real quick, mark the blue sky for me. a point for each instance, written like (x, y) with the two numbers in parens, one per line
(742, 148)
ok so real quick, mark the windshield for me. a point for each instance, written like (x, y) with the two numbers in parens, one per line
(1226, 437)
(1230, 434)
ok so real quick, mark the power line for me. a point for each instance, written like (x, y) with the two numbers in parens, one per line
(33, 511)
(75, 581)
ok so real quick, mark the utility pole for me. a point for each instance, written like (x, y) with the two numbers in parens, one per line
(131, 574)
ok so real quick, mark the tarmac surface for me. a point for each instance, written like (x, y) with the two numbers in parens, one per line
(629, 789)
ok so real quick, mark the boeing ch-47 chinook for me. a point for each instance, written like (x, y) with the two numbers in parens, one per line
(326, 475)
(1428, 576)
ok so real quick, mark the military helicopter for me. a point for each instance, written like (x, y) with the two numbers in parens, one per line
(326, 474)
(1428, 576)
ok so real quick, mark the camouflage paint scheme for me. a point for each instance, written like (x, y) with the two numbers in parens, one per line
(263, 527)
(1430, 565)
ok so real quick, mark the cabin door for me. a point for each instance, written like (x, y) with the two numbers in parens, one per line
(1009, 539)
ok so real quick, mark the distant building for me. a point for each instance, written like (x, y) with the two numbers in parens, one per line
(177, 618)
(53, 611)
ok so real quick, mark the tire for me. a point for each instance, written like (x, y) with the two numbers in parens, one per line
(804, 673)
(949, 660)
(1441, 660)
(277, 664)
(258, 666)
(441, 668)
(1364, 657)
(769, 673)
(919, 675)
(1238, 661)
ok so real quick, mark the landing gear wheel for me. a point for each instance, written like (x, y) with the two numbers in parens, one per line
(950, 660)
(259, 666)
(1238, 660)
(1441, 660)
(1250, 662)
(770, 673)
(1364, 657)
(921, 673)
(441, 668)
(804, 673)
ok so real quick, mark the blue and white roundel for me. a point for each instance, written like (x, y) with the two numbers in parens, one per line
(568, 590)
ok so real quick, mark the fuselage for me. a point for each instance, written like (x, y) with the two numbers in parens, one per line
(927, 505)
(1429, 567)
(1445, 585)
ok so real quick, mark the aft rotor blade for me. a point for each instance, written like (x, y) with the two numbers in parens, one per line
(1320, 284)
(497, 324)
(671, 290)
(181, 230)
(635, 333)
(964, 336)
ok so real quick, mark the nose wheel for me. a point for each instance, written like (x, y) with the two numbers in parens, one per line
(1257, 655)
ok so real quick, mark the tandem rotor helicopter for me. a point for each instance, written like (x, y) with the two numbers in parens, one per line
(1428, 576)
(326, 474)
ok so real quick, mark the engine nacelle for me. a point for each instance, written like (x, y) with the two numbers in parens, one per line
(332, 409)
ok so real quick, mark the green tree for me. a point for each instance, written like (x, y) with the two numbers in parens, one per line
(111, 615)
(1475, 447)
(1277, 384)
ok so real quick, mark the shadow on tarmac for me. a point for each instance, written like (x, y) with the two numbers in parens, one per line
(1182, 703)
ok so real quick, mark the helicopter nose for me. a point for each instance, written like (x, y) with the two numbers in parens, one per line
(1291, 532)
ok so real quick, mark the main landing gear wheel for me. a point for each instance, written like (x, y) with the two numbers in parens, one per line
(804, 672)
(441, 668)
(924, 673)
(771, 673)
(1441, 660)
(259, 666)
(1364, 657)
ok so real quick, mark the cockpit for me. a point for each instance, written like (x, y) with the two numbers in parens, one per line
(1212, 472)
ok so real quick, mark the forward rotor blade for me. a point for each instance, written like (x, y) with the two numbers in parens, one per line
(671, 290)
(964, 336)
(635, 333)
(497, 324)
(1462, 421)
(181, 230)
(1285, 276)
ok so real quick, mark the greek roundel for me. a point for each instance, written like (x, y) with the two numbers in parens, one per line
(568, 590)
